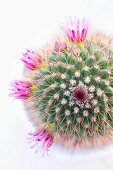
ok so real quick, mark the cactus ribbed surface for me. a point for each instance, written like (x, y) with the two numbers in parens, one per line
(74, 94)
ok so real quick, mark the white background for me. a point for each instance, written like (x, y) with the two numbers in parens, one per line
(24, 23)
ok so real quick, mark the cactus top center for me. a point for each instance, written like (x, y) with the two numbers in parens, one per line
(80, 95)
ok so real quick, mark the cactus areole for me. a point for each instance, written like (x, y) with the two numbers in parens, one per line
(70, 88)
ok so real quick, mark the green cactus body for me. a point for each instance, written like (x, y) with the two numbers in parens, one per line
(74, 93)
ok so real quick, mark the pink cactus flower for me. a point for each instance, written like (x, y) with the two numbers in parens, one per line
(76, 29)
(60, 46)
(31, 59)
(43, 139)
(20, 89)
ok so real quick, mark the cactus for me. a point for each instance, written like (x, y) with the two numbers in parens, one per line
(72, 85)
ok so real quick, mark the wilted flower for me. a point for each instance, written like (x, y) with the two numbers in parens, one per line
(73, 51)
(20, 89)
(31, 59)
(59, 46)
